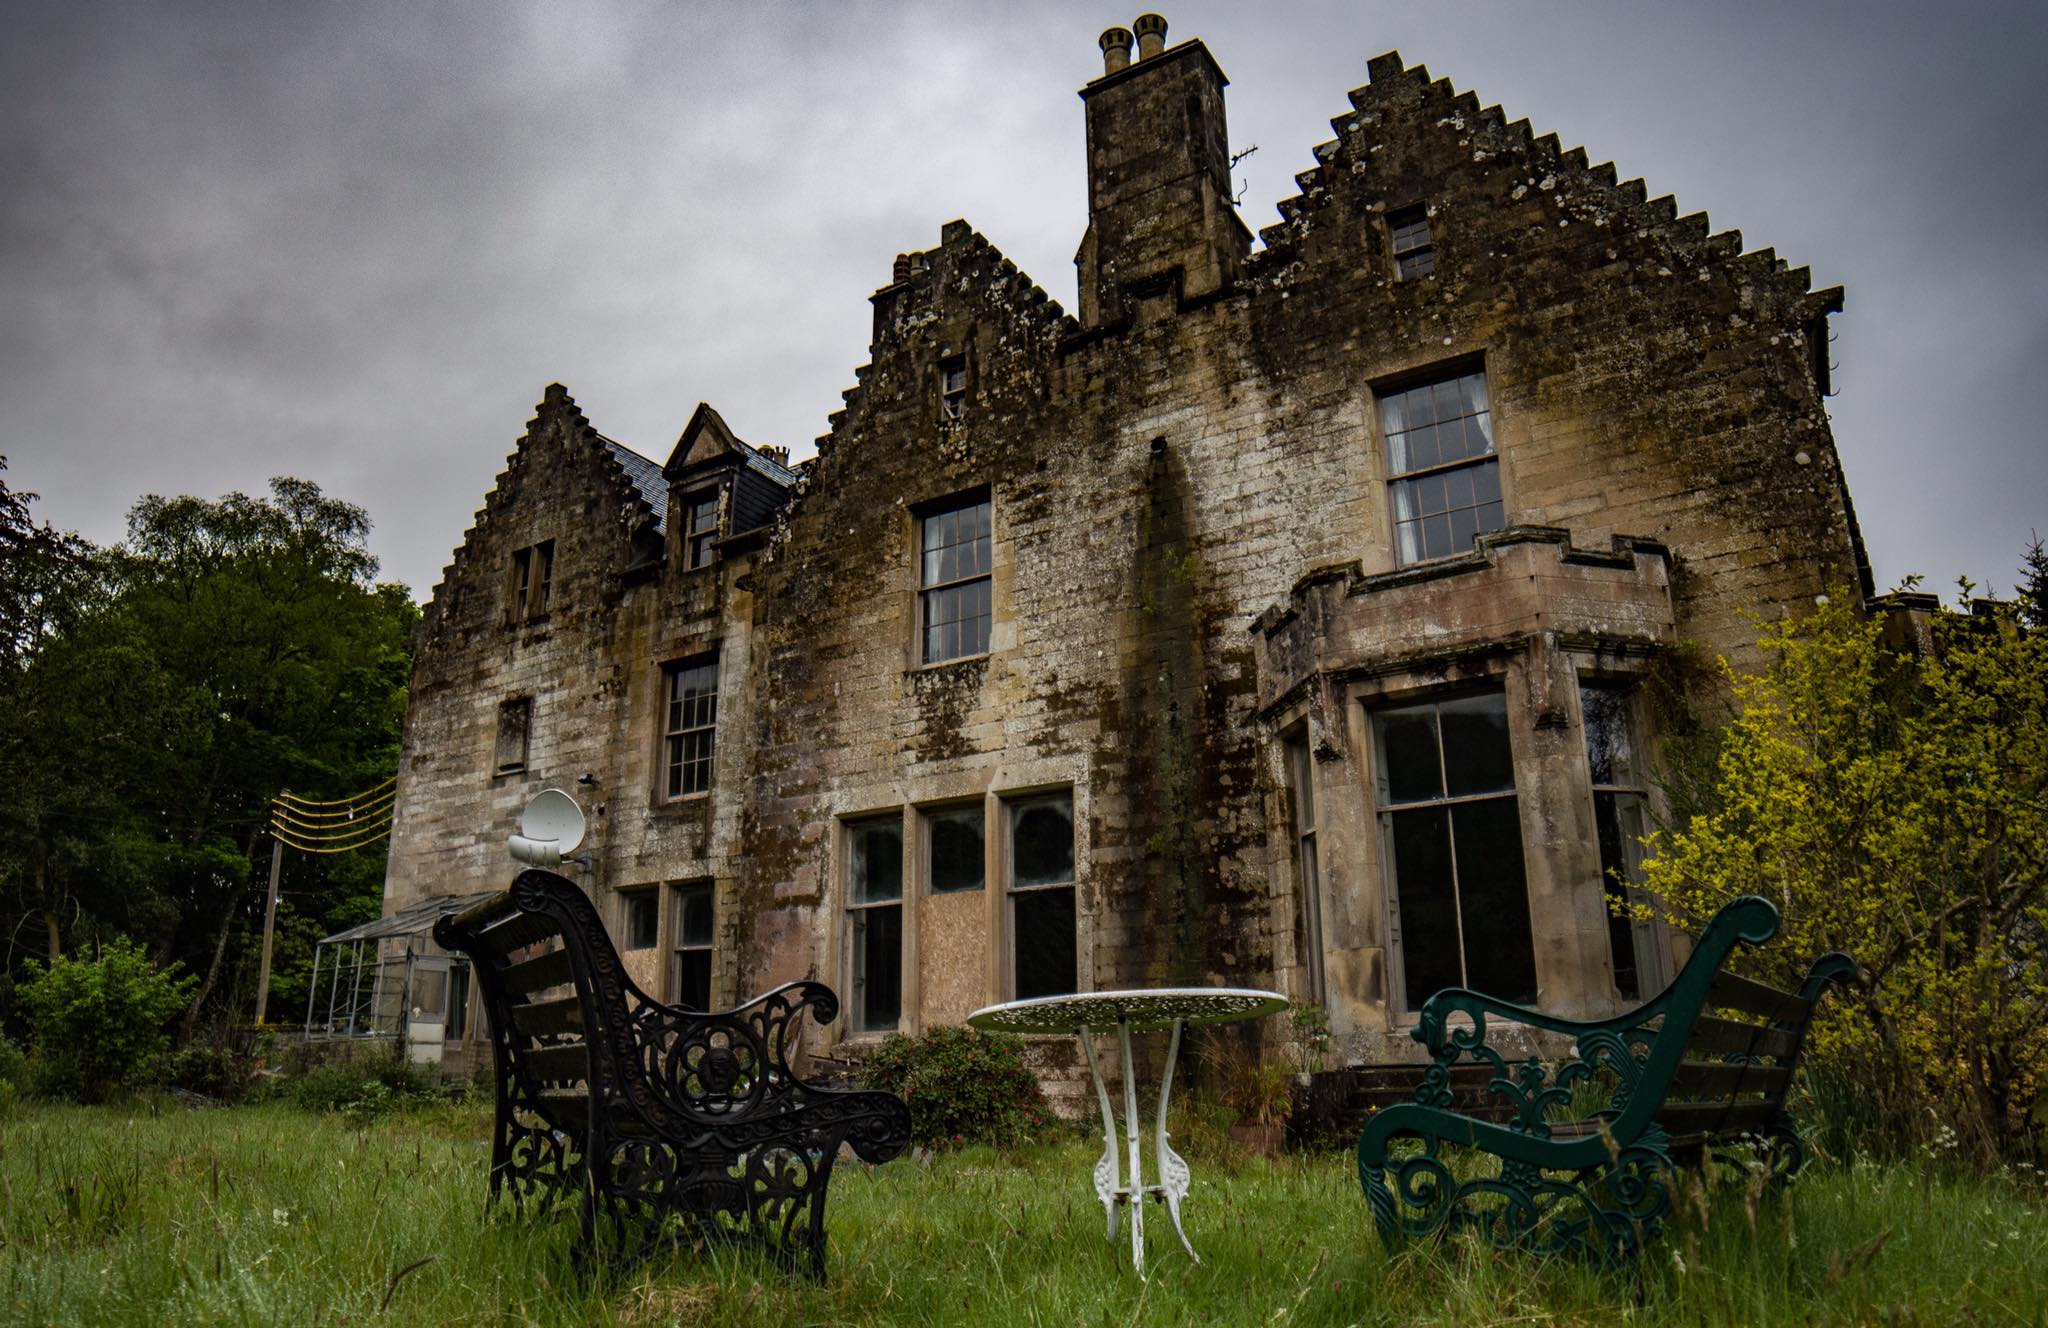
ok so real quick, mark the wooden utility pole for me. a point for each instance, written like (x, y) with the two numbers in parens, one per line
(269, 927)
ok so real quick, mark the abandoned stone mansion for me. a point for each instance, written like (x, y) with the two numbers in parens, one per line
(1286, 615)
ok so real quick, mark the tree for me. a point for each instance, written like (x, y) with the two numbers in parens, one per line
(2032, 593)
(1895, 807)
(47, 577)
(236, 647)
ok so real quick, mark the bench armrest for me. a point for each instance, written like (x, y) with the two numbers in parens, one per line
(1434, 1031)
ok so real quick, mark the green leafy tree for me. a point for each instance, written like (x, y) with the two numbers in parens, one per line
(47, 579)
(98, 1024)
(1895, 806)
(230, 648)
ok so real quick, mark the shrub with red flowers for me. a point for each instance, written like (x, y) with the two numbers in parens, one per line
(962, 1086)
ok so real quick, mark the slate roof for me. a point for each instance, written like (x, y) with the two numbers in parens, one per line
(646, 477)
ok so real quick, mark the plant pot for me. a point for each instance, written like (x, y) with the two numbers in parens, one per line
(1262, 1140)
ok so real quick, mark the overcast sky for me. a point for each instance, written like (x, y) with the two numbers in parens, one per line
(353, 241)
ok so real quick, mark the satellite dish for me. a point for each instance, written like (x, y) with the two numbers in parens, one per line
(551, 826)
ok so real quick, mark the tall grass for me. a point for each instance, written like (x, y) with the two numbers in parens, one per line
(272, 1215)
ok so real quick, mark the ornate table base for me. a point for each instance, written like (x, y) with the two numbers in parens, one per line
(1172, 1167)
(1119, 1184)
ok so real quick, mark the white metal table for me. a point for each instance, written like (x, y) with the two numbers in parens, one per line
(1140, 1010)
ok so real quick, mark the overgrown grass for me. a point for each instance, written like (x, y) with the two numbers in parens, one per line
(271, 1215)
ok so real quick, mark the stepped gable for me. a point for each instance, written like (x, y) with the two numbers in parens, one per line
(641, 509)
(961, 298)
(1523, 165)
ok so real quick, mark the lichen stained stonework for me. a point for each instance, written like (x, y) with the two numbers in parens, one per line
(1278, 618)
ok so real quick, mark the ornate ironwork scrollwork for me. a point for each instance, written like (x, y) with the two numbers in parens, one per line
(670, 1121)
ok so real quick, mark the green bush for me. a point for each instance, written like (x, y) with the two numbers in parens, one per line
(98, 1024)
(212, 1069)
(368, 1087)
(17, 1075)
(962, 1087)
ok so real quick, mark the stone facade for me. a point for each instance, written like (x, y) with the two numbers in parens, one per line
(1204, 612)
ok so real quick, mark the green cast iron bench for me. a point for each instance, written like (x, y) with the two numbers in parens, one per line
(657, 1118)
(1696, 1072)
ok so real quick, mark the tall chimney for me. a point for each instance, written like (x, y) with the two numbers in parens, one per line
(1158, 177)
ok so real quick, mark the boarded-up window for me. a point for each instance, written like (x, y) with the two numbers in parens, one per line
(515, 721)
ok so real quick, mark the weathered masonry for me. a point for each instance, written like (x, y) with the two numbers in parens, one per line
(1280, 618)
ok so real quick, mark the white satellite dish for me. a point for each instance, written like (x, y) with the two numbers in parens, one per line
(551, 826)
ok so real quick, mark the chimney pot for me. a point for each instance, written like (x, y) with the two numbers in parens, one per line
(1116, 49)
(1151, 35)
(901, 272)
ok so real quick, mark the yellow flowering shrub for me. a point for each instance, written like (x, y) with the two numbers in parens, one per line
(1894, 804)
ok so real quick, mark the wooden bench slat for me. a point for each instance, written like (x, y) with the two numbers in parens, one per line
(565, 1062)
(1689, 1120)
(1739, 1039)
(517, 932)
(552, 969)
(1735, 992)
(483, 913)
(566, 1108)
(564, 1014)
(1716, 1079)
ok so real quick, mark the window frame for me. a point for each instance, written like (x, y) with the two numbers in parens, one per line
(1299, 766)
(928, 818)
(697, 540)
(858, 912)
(673, 752)
(952, 381)
(1410, 480)
(533, 579)
(1649, 948)
(1013, 807)
(631, 901)
(1402, 224)
(681, 945)
(923, 516)
(1384, 811)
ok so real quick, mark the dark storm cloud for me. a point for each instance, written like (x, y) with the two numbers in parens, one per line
(353, 241)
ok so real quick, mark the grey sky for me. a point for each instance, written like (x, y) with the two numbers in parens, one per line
(352, 242)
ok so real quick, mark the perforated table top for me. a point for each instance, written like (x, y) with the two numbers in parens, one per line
(1151, 1007)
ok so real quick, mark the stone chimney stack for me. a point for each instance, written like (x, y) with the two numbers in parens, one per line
(1159, 212)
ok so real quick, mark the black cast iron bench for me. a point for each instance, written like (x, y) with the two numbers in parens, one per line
(659, 1119)
(1687, 1086)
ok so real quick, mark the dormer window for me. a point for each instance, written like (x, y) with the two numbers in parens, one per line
(701, 509)
(1414, 251)
(953, 387)
(533, 574)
